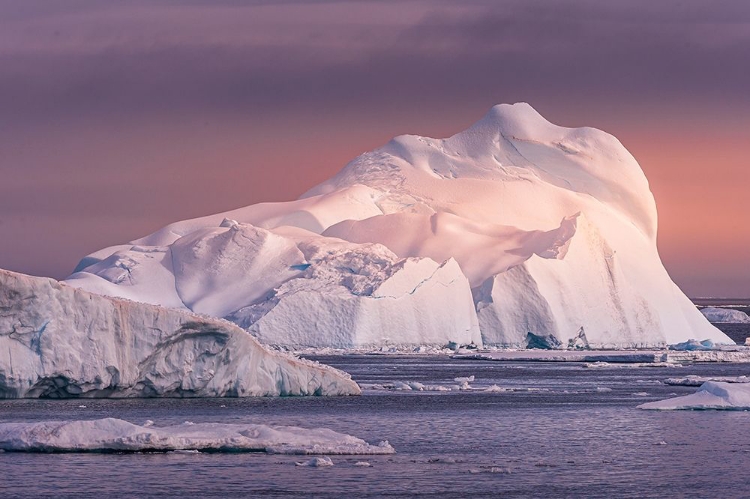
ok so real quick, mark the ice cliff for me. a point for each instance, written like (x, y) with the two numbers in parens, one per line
(58, 341)
(511, 232)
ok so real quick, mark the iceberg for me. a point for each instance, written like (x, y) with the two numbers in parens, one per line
(513, 233)
(57, 341)
(721, 315)
(116, 435)
(711, 395)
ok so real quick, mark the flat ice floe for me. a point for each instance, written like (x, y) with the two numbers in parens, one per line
(116, 435)
(711, 395)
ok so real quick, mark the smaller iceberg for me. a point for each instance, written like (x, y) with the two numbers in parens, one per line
(116, 435)
(711, 395)
(719, 315)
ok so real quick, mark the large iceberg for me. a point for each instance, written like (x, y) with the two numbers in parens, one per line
(58, 341)
(116, 435)
(513, 226)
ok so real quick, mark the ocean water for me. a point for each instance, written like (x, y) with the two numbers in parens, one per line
(567, 431)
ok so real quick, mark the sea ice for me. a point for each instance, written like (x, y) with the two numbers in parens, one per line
(116, 435)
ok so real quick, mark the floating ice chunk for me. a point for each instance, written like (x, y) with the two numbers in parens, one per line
(711, 395)
(495, 389)
(317, 462)
(148, 423)
(692, 345)
(111, 434)
(467, 379)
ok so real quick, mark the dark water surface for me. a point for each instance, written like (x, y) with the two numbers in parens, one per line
(576, 433)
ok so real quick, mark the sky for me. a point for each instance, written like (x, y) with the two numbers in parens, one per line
(118, 117)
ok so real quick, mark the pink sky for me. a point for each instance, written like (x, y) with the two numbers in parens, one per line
(119, 117)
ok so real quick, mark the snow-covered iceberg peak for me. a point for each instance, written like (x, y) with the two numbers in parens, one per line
(513, 226)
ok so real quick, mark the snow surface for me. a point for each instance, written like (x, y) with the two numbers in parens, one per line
(711, 395)
(59, 341)
(513, 226)
(112, 434)
(719, 315)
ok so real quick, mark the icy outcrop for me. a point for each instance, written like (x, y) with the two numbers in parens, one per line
(510, 231)
(711, 395)
(110, 434)
(720, 315)
(59, 341)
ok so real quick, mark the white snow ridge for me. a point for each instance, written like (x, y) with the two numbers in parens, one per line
(515, 232)
(58, 341)
(116, 435)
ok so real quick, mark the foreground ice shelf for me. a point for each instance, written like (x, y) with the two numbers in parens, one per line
(513, 226)
(59, 341)
(116, 435)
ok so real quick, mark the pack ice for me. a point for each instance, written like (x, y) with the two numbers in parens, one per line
(58, 341)
(514, 232)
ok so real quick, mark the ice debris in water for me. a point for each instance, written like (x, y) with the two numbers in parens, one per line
(467, 379)
(316, 462)
(101, 435)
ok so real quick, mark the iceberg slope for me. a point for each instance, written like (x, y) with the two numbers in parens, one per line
(550, 231)
(58, 341)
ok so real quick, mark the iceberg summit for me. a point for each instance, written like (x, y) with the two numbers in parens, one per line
(509, 233)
